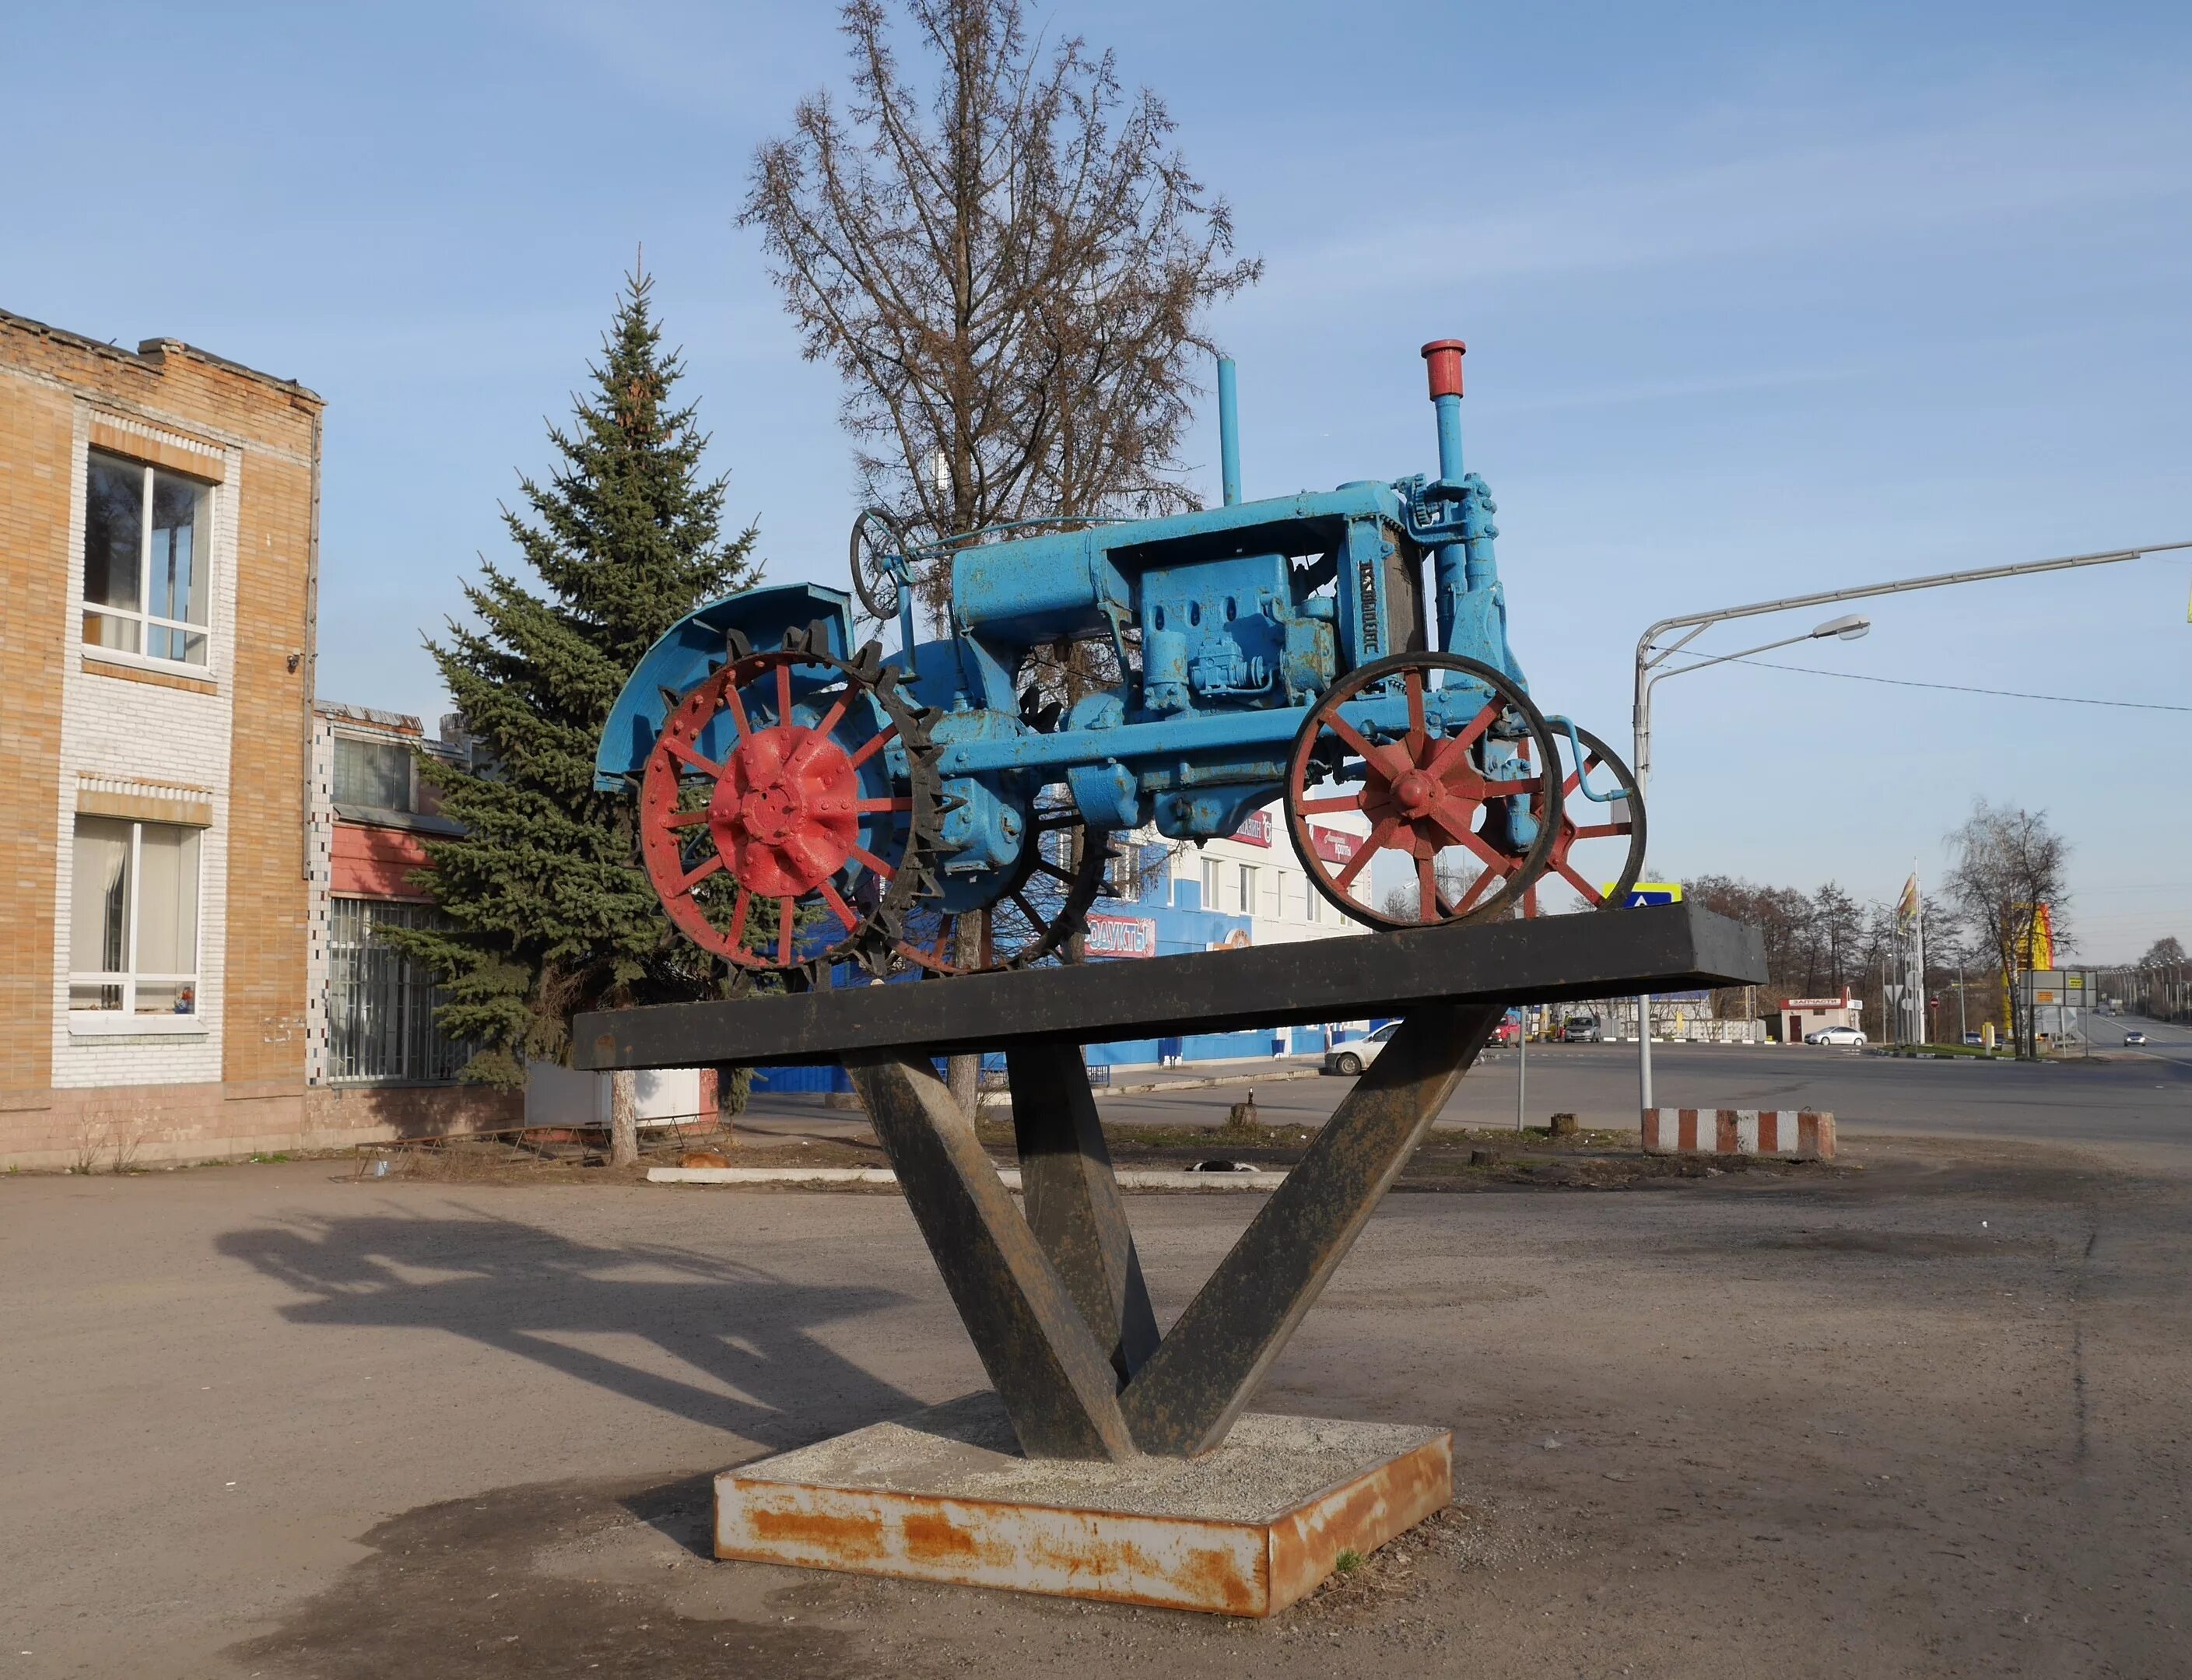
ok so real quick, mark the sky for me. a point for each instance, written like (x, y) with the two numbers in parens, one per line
(1760, 301)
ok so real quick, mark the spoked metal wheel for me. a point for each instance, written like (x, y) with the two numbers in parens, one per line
(1599, 851)
(1432, 754)
(1034, 918)
(876, 533)
(778, 807)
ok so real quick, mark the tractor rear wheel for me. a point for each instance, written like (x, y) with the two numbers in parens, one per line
(779, 809)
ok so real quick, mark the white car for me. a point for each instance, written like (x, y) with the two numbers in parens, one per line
(1351, 1058)
(2134, 1037)
(1836, 1035)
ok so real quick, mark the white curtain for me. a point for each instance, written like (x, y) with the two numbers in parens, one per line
(99, 918)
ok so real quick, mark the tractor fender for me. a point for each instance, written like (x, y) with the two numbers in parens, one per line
(693, 650)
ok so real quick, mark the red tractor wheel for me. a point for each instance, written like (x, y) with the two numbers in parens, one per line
(769, 808)
(1441, 788)
(1599, 851)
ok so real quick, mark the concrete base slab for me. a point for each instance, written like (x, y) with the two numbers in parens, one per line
(945, 1495)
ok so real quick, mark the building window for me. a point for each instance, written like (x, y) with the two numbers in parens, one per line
(374, 772)
(380, 1002)
(147, 545)
(1247, 890)
(133, 918)
(1122, 868)
(1209, 884)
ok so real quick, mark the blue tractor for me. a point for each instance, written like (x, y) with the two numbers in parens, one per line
(805, 802)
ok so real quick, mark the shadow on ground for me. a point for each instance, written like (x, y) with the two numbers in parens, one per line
(452, 1589)
(519, 1289)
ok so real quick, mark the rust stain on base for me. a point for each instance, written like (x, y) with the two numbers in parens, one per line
(1227, 1567)
(1360, 1516)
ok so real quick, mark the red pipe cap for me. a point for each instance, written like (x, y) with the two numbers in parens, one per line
(1444, 356)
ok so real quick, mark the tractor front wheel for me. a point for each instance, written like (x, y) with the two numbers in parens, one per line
(1425, 761)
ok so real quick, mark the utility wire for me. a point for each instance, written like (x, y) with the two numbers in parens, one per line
(1959, 688)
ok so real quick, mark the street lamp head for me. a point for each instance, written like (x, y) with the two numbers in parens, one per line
(1848, 628)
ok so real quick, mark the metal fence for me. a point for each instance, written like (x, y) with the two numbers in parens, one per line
(380, 1003)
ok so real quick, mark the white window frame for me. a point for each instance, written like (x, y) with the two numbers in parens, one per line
(145, 620)
(126, 1020)
(1210, 876)
(1123, 868)
(1248, 881)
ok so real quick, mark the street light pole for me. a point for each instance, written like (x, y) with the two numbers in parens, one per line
(1847, 629)
(1694, 625)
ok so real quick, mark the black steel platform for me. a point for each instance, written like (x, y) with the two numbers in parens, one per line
(1555, 959)
(1050, 1287)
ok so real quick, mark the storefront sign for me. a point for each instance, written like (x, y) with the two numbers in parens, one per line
(1334, 845)
(1255, 831)
(1121, 936)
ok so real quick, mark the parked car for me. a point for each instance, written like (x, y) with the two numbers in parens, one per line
(1580, 1030)
(2134, 1037)
(1351, 1058)
(1973, 1041)
(1845, 1035)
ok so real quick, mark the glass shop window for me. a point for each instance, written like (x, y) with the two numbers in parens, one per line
(133, 918)
(375, 773)
(147, 553)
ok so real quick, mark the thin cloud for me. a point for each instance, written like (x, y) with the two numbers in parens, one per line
(1794, 197)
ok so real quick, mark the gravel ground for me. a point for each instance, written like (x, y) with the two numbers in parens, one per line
(1925, 1419)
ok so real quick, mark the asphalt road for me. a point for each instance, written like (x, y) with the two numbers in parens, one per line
(2123, 1097)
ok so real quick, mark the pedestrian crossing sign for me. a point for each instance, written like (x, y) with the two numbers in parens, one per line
(1648, 892)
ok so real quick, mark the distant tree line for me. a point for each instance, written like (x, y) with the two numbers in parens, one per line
(1820, 941)
(2159, 985)
(1976, 921)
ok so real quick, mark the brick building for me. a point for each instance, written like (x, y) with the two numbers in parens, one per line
(158, 554)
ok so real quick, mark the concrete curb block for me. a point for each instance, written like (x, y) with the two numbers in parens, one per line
(1003, 1098)
(1788, 1133)
(1128, 1179)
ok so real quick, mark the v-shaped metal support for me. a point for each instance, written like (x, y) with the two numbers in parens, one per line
(1054, 1301)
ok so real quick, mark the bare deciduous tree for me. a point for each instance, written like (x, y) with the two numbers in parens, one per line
(1405, 902)
(2008, 864)
(1009, 272)
(1782, 914)
(1838, 934)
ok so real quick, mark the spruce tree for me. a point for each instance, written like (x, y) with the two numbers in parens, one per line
(550, 911)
